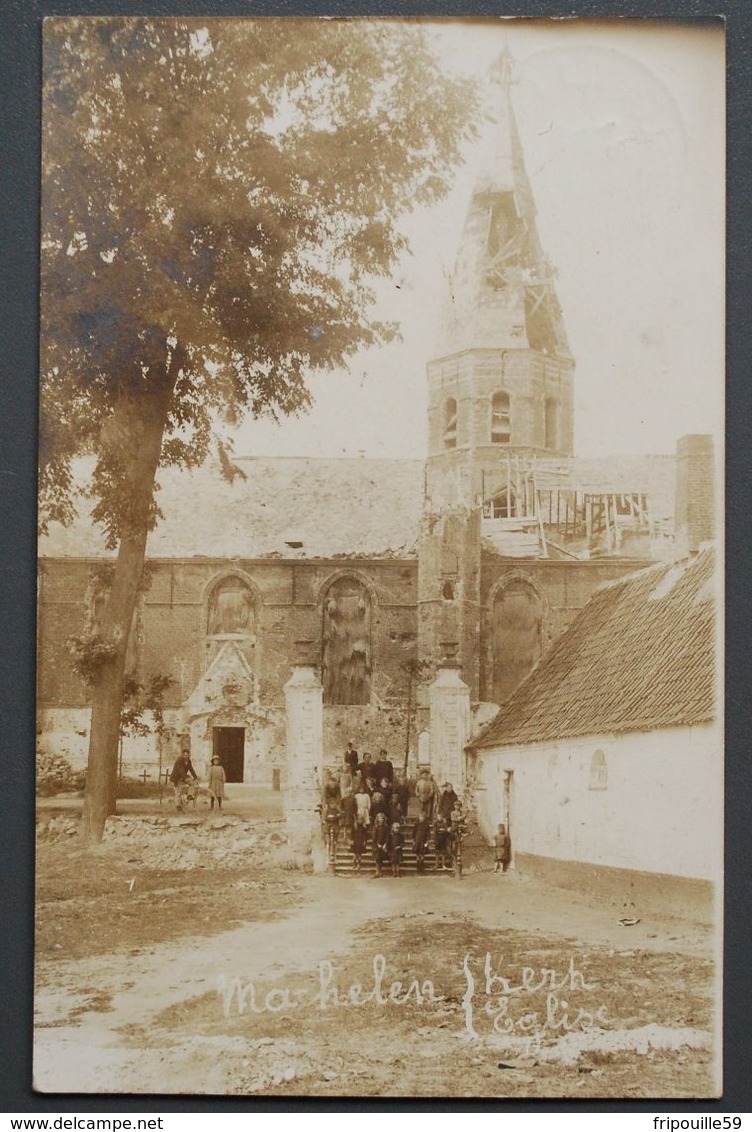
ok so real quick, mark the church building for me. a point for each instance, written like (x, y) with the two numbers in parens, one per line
(375, 570)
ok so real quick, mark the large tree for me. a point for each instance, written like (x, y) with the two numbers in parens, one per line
(218, 198)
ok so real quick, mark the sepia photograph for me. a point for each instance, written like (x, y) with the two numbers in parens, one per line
(379, 743)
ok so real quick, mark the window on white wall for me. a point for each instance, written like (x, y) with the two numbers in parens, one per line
(598, 772)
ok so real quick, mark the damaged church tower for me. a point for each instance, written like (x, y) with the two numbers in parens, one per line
(500, 395)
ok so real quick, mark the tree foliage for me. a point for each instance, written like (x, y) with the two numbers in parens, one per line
(140, 697)
(218, 199)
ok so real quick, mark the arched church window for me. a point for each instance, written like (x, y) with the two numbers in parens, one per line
(501, 420)
(551, 423)
(450, 423)
(346, 640)
(517, 628)
(231, 609)
(598, 772)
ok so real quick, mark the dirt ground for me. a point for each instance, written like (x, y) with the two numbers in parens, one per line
(241, 973)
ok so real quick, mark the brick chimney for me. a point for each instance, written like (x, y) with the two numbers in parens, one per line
(695, 492)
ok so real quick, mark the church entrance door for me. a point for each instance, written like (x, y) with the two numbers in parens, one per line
(228, 744)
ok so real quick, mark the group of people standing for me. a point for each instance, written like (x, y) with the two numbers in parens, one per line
(370, 799)
(441, 810)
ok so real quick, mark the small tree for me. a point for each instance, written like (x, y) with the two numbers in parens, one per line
(217, 200)
(417, 672)
(140, 697)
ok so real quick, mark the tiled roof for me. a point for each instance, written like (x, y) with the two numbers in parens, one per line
(639, 656)
(331, 507)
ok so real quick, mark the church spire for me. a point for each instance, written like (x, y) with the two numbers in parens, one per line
(501, 292)
(502, 168)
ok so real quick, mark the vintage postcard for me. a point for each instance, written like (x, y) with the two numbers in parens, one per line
(379, 743)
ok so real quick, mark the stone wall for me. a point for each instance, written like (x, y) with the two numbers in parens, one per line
(649, 801)
(531, 379)
(449, 578)
(289, 598)
(172, 640)
(173, 633)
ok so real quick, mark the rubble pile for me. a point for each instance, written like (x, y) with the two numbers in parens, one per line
(184, 841)
(57, 827)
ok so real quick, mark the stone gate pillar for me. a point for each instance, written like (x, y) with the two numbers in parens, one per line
(449, 700)
(305, 720)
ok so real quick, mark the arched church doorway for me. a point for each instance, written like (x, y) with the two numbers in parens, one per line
(228, 745)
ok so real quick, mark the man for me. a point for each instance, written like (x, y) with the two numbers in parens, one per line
(182, 773)
(402, 793)
(351, 757)
(447, 801)
(367, 768)
(426, 792)
(384, 767)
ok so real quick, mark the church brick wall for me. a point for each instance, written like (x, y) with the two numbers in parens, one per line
(564, 588)
(173, 638)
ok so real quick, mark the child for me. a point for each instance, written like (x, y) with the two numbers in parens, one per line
(216, 783)
(378, 805)
(395, 811)
(363, 807)
(380, 841)
(457, 820)
(420, 840)
(502, 849)
(441, 842)
(396, 841)
(359, 841)
(349, 810)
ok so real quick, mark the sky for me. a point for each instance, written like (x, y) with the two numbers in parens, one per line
(622, 124)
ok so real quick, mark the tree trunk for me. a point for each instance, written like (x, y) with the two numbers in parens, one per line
(138, 429)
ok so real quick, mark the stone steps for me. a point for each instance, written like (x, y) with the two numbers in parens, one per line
(344, 860)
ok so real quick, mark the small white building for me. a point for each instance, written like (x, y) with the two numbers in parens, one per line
(606, 764)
